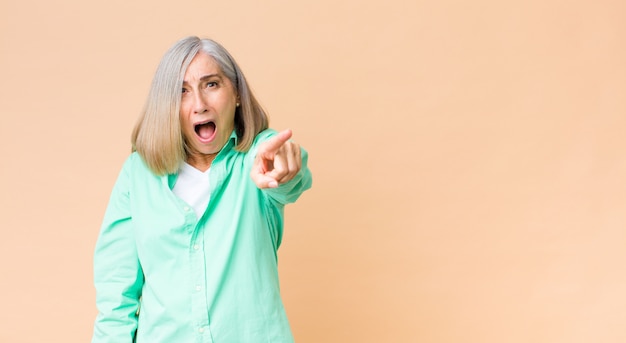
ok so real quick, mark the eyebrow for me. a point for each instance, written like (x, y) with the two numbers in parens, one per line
(205, 78)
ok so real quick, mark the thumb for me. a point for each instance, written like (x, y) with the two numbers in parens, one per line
(261, 179)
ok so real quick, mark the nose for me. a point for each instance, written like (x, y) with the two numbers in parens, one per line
(199, 103)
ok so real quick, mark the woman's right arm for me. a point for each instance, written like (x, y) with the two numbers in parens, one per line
(117, 273)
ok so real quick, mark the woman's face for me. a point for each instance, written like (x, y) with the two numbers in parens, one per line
(207, 109)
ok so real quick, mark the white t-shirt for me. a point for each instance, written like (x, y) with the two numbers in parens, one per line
(192, 186)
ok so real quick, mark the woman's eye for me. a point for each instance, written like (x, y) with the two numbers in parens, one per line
(184, 90)
(211, 84)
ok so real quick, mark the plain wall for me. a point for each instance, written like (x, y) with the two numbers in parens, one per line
(468, 157)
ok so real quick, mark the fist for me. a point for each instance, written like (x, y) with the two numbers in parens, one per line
(277, 161)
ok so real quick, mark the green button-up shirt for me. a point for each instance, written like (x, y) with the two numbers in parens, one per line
(164, 276)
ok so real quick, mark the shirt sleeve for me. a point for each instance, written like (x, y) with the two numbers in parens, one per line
(290, 192)
(118, 276)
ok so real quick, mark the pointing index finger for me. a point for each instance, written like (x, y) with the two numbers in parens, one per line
(273, 144)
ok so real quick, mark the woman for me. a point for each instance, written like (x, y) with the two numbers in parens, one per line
(187, 248)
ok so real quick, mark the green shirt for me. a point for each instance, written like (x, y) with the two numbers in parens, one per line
(164, 276)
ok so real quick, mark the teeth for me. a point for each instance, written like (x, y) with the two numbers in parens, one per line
(197, 126)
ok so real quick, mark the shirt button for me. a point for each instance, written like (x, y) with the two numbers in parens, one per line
(196, 247)
(198, 288)
(186, 208)
(201, 330)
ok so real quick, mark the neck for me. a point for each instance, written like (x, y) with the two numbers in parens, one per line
(201, 162)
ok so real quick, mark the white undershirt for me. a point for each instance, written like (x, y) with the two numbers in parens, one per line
(192, 186)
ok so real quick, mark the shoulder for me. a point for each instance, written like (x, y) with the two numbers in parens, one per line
(134, 160)
(258, 140)
(134, 164)
(263, 136)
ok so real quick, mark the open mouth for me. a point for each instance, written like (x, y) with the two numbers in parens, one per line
(205, 130)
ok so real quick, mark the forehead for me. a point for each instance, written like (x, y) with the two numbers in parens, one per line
(201, 65)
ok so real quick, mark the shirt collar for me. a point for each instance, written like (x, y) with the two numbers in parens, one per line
(231, 142)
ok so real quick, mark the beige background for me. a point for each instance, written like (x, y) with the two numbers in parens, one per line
(468, 158)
